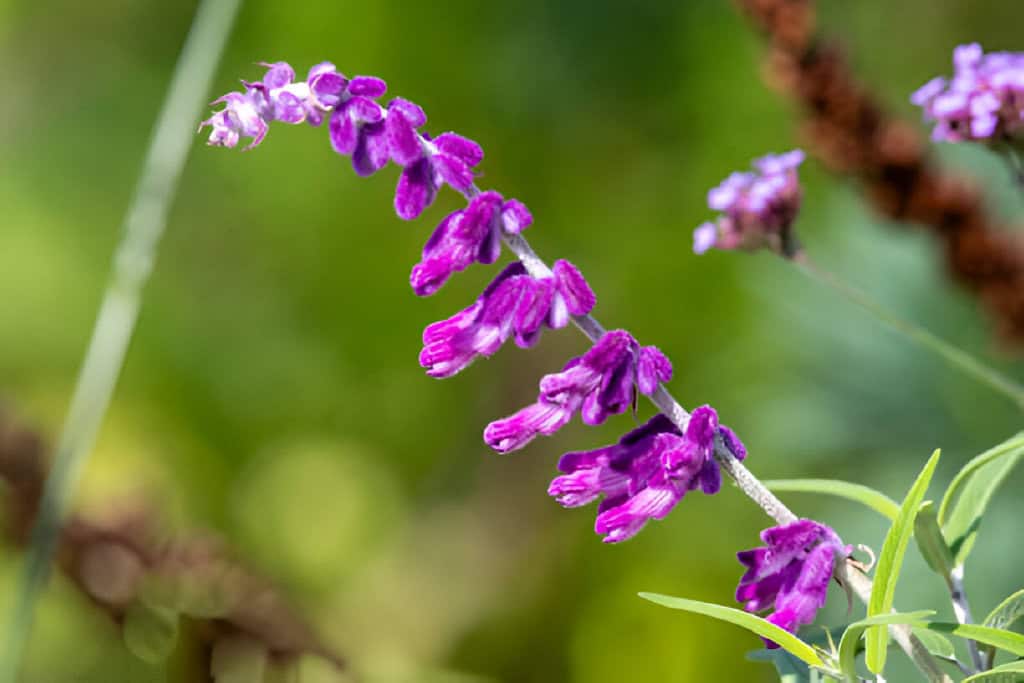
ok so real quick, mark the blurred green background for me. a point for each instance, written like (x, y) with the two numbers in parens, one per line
(272, 391)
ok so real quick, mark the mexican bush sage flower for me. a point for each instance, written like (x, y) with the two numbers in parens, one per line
(470, 235)
(645, 474)
(758, 208)
(791, 573)
(514, 304)
(983, 101)
(600, 383)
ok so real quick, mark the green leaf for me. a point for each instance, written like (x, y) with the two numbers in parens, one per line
(890, 561)
(1008, 611)
(751, 622)
(998, 638)
(931, 542)
(848, 645)
(149, 632)
(969, 494)
(789, 668)
(936, 643)
(876, 500)
(1011, 672)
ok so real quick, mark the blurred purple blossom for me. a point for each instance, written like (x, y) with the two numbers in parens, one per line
(758, 208)
(983, 101)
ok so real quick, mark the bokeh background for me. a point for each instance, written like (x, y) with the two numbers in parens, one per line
(272, 392)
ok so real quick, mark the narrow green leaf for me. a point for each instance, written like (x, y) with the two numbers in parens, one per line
(848, 645)
(149, 632)
(1004, 615)
(751, 622)
(931, 542)
(876, 500)
(1011, 672)
(998, 638)
(960, 525)
(1014, 444)
(890, 561)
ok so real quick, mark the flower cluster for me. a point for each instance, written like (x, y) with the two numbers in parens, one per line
(983, 101)
(652, 468)
(601, 382)
(790, 574)
(646, 473)
(758, 209)
(515, 303)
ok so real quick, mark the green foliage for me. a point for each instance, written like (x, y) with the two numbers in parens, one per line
(969, 494)
(150, 633)
(865, 495)
(1011, 672)
(936, 643)
(853, 633)
(931, 542)
(1004, 615)
(997, 638)
(751, 622)
(890, 561)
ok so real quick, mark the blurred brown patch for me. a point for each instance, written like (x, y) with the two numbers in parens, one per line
(128, 559)
(850, 132)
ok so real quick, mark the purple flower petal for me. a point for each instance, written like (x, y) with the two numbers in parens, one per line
(515, 217)
(652, 367)
(579, 297)
(368, 86)
(451, 144)
(343, 132)
(371, 153)
(416, 190)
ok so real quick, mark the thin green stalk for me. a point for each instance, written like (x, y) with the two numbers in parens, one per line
(956, 357)
(115, 323)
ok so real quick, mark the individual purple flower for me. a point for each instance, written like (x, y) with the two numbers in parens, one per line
(983, 101)
(790, 574)
(448, 158)
(599, 383)
(278, 97)
(357, 126)
(758, 208)
(644, 475)
(470, 235)
(514, 304)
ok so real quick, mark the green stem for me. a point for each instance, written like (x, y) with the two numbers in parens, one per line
(115, 323)
(956, 357)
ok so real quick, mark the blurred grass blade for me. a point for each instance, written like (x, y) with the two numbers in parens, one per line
(1003, 640)
(848, 644)
(968, 496)
(1000, 674)
(931, 542)
(144, 224)
(876, 500)
(1008, 611)
(751, 622)
(890, 561)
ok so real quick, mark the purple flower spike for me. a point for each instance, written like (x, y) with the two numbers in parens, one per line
(450, 159)
(790, 574)
(983, 102)
(644, 475)
(758, 209)
(599, 383)
(357, 127)
(404, 118)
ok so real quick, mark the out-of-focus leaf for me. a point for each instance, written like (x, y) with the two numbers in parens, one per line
(969, 494)
(150, 632)
(1008, 611)
(931, 542)
(1011, 672)
(789, 667)
(935, 643)
(876, 500)
(998, 638)
(751, 622)
(890, 561)
(848, 645)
